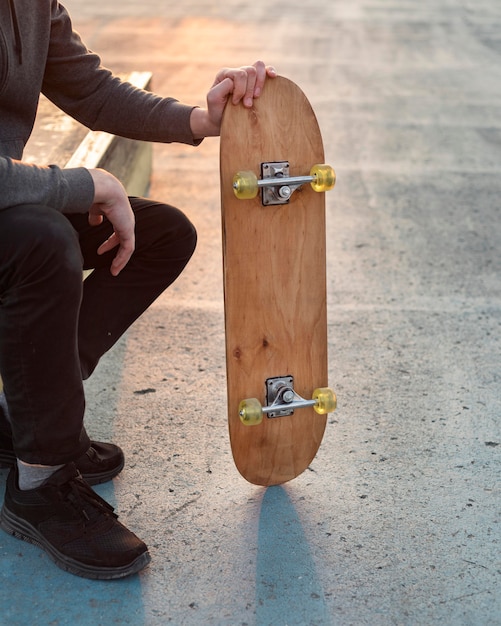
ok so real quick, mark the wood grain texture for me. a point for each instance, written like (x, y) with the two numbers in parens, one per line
(274, 282)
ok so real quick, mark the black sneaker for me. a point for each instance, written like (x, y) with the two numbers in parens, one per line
(76, 527)
(101, 462)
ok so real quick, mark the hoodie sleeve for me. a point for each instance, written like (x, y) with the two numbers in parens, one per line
(65, 190)
(77, 83)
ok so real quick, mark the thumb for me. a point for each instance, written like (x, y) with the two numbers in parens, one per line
(95, 219)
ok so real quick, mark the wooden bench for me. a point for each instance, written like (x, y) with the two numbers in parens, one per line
(59, 139)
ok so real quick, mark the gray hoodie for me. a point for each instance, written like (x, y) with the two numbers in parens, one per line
(40, 53)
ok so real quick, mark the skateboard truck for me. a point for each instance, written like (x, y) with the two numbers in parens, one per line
(277, 186)
(282, 400)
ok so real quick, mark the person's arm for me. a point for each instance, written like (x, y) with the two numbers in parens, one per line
(69, 190)
(77, 83)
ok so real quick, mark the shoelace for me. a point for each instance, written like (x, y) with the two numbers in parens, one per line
(84, 499)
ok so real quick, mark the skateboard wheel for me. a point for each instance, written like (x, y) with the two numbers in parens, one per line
(325, 400)
(245, 185)
(324, 177)
(250, 412)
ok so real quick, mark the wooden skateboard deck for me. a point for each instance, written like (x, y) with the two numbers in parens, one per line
(274, 283)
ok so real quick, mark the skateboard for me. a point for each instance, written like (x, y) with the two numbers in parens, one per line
(273, 181)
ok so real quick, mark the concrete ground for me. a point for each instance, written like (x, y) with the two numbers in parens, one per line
(397, 522)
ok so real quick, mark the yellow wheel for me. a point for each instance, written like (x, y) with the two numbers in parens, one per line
(250, 412)
(326, 400)
(324, 177)
(245, 185)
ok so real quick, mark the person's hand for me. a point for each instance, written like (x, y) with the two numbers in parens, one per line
(242, 84)
(111, 201)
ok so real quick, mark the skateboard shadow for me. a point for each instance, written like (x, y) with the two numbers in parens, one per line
(288, 591)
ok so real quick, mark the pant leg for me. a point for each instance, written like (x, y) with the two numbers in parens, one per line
(50, 334)
(165, 241)
(40, 296)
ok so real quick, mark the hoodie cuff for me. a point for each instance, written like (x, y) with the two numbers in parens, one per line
(79, 190)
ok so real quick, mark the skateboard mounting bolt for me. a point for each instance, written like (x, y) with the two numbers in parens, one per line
(285, 192)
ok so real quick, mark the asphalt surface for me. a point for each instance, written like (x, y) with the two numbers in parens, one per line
(397, 522)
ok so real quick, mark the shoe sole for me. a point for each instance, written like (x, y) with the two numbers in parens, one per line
(19, 528)
(8, 460)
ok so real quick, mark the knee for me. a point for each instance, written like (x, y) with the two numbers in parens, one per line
(180, 239)
(190, 237)
(165, 232)
(179, 231)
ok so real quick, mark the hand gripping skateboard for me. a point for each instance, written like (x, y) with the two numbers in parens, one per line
(273, 224)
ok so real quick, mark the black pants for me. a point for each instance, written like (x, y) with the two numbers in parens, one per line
(54, 328)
